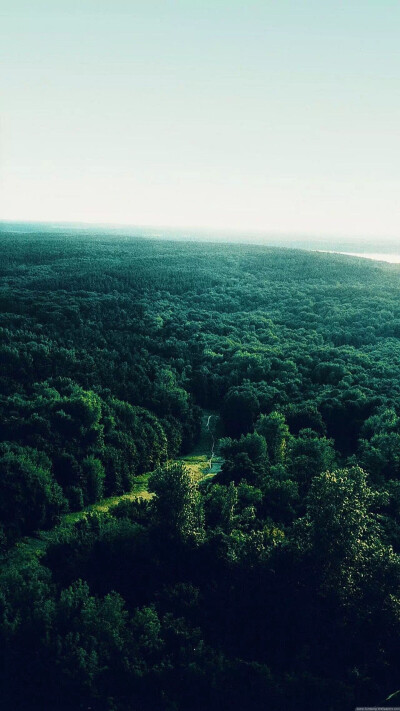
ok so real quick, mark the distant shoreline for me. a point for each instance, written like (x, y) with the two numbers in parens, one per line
(375, 256)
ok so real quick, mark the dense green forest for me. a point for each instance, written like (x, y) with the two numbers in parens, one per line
(273, 584)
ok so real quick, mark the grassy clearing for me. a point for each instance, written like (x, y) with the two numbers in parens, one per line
(139, 491)
(198, 463)
(35, 546)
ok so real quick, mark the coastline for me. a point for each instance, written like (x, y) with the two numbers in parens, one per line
(375, 256)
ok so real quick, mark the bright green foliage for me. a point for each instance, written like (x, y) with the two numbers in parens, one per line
(275, 431)
(178, 506)
(338, 521)
(338, 504)
(95, 446)
(379, 448)
(352, 562)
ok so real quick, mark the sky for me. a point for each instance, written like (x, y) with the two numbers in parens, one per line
(275, 115)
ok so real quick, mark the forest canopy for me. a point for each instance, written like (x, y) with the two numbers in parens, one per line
(273, 582)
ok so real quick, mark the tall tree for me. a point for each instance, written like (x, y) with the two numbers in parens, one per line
(177, 505)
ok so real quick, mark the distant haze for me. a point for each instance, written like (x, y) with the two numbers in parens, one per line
(264, 117)
(387, 250)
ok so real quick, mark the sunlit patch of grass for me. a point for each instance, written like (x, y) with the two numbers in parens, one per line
(139, 491)
(199, 465)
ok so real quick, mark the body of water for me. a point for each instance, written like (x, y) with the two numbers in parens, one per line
(378, 256)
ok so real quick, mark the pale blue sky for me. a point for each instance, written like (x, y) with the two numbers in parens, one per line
(276, 115)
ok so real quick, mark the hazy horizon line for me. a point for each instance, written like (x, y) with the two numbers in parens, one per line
(206, 230)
